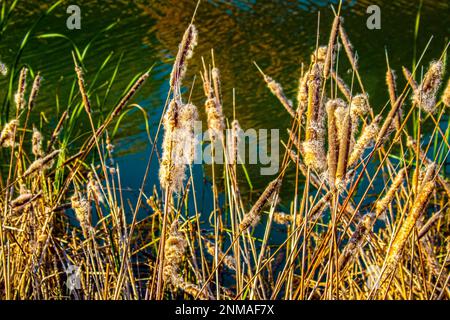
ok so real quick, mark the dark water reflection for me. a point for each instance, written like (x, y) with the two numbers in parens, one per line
(278, 34)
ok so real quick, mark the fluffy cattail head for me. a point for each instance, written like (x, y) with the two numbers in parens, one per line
(36, 142)
(82, 211)
(19, 97)
(8, 133)
(319, 55)
(174, 251)
(360, 105)
(425, 95)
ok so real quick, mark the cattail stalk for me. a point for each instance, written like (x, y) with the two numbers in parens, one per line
(342, 86)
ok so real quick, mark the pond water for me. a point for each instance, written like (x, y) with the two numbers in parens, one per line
(279, 35)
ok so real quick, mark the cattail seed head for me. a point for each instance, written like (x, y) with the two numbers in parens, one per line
(333, 141)
(216, 122)
(34, 91)
(254, 215)
(425, 95)
(82, 88)
(345, 130)
(19, 97)
(185, 52)
(42, 163)
(383, 203)
(319, 55)
(36, 142)
(314, 145)
(277, 91)
(330, 48)
(82, 212)
(8, 133)
(367, 138)
(174, 252)
(396, 250)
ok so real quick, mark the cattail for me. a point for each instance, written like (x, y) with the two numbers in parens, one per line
(413, 144)
(19, 97)
(278, 92)
(392, 88)
(234, 140)
(36, 142)
(42, 163)
(360, 105)
(302, 93)
(387, 127)
(342, 86)
(215, 118)
(316, 211)
(446, 95)
(22, 200)
(367, 138)
(81, 85)
(333, 141)
(34, 92)
(347, 46)
(187, 117)
(425, 95)
(408, 76)
(395, 252)
(345, 132)
(227, 260)
(253, 216)
(94, 190)
(314, 143)
(8, 133)
(304, 169)
(185, 52)
(57, 130)
(330, 48)
(383, 203)
(171, 174)
(319, 55)
(178, 144)
(174, 252)
(429, 174)
(82, 212)
(357, 239)
(127, 97)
